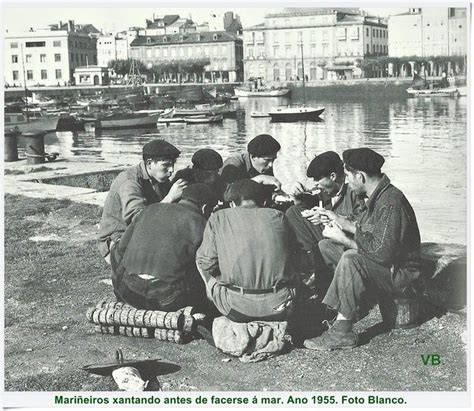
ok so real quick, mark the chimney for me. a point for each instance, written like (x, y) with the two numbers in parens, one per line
(60, 24)
(71, 25)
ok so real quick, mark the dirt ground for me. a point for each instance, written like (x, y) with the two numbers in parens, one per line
(53, 273)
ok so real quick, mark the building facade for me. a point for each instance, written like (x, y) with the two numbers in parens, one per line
(329, 42)
(47, 56)
(222, 49)
(111, 47)
(428, 32)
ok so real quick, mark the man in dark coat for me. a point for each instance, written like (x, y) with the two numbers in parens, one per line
(154, 264)
(377, 253)
(136, 188)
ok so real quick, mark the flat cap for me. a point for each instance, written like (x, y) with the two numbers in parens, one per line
(324, 164)
(363, 159)
(245, 189)
(263, 145)
(207, 159)
(199, 193)
(160, 148)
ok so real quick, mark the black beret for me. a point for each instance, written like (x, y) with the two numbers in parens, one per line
(160, 148)
(245, 189)
(207, 159)
(363, 159)
(200, 193)
(263, 145)
(324, 164)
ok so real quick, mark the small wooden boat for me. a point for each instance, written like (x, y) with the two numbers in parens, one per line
(30, 124)
(259, 114)
(204, 119)
(289, 114)
(435, 92)
(199, 109)
(264, 92)
(170, 120)
(127, 120)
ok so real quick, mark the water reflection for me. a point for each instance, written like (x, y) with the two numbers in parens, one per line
(424, 142)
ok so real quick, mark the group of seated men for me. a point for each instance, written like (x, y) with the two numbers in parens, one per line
(212, 237)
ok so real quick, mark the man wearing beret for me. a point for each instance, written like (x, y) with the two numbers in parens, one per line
(256, 163)
(136, 188)
(154, 264)
(205, 169)
(382, 257)
(246, 257)
(327, 171)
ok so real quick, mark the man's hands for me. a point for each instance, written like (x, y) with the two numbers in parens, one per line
(334, 232)
(267, 181)
(319, 215)
(176, 191)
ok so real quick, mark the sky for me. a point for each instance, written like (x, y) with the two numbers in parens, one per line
(114, 16)
(117, 15)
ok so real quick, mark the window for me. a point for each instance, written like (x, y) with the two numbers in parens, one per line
(28, 58)
(373, 48)
(72, 57)
(15, 75)
(287, 51)
(44, 74)
(57, 57)
(14, 45)
(368, 32)
(276, 39)
(181, 51)
(42, 58)
(14, 58)
(148, 53)
(373, 33)
(276, 50)
(148, 40)
(287, 37)
(58, 74)
(57, 43)
(29, 74)
(82, 58)
(368, 49)
(35, 44)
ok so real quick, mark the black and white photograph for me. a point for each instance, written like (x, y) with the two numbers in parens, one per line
(264, 201)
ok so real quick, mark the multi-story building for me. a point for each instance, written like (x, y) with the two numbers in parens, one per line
(169, 24)
(428, 32)
(329, 42)
(47, 56)
(223, 49)
(111, 47)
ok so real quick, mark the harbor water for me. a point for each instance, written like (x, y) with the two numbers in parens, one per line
(424, 142)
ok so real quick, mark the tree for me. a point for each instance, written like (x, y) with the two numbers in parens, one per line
(122, 66)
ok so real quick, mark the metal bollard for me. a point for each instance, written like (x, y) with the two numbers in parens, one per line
(34, 143)
(11, 145)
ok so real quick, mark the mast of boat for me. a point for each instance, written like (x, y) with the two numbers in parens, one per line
(24, 83)
(302, 69)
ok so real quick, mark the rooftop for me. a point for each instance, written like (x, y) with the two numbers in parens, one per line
(203, 37)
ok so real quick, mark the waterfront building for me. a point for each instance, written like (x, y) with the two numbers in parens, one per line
(221, 49)
(437, 35)
(111, 47)
(169, 24)
(332, 43)
(48, 56)
(428, 32)
(91, 76)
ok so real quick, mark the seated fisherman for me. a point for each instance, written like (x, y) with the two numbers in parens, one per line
(137, 187)
(382, 256)
(154, 264)
(256, 163)
(205, 169)
(246, 257)
(327, 170)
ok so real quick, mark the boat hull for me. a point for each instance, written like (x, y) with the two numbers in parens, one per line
(205, 120)
(34, 125)
(264, 93)
(128, 122)
(291, 115)
(447, 92)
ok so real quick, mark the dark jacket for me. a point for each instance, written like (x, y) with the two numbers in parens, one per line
(240, 167)
(387, 233)
(131, 191)
(162, 242)
(187, 174)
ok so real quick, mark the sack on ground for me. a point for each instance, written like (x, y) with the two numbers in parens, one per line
(251, 342)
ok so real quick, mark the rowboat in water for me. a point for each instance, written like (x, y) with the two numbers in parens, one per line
(204, 119)
(289, 114)
(127, 120)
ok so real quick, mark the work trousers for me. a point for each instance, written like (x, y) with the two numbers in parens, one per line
(358, 282)
(241, 308)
